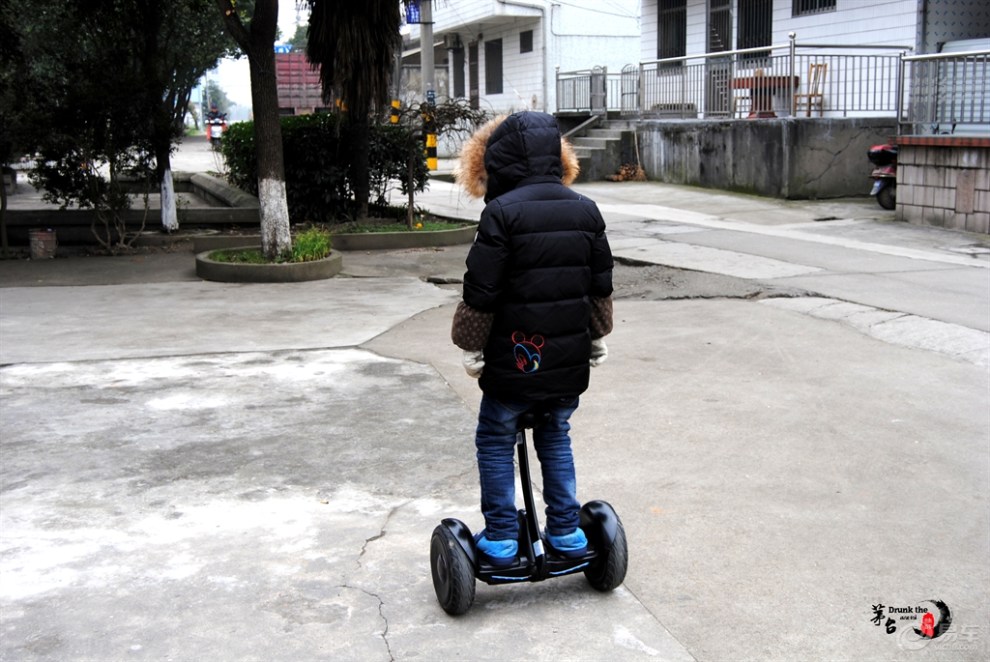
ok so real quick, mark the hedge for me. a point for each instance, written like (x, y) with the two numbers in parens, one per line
(317, 153)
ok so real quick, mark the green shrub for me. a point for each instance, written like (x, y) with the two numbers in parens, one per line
(317, 153)
(311, 244)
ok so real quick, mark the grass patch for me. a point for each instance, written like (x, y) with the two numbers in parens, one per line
(307, 246)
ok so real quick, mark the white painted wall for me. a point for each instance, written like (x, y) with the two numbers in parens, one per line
(854, 22)
(522, 73)
(580, 34)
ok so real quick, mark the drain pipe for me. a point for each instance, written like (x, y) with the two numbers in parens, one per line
(546, 37)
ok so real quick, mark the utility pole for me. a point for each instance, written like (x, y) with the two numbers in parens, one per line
(426, 47)
(429, 91)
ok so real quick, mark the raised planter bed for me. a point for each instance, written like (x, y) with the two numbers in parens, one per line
(287, 272)
(369, 241)
(353, 241)
(208, 202)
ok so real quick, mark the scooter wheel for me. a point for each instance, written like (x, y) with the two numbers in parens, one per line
(887, 196)
(453, 576)
(610, 569)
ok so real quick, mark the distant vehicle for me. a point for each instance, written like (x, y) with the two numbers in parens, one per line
(216, 126)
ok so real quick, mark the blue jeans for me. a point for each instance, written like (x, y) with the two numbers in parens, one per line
(495, 440)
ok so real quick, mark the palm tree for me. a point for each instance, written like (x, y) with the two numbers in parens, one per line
(354, 45)
(257, 40)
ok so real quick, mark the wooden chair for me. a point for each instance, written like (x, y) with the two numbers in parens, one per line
(815, 94)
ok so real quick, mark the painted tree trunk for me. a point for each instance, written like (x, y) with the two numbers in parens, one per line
(170, 217)
(275, 236)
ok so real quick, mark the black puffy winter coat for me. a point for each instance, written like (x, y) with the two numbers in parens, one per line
(539, 258)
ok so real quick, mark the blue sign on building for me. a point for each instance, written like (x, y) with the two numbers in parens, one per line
(412, 11)
(283, 48)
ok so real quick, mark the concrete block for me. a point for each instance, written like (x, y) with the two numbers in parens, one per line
(910, 213)
(931, 216)
(944, 198)
(944, 158)
(968, 157)
(905, 193)
(983, 179)
(954, 220)
(965, 192)
(907, 176)
(979, 222)
(981, 202)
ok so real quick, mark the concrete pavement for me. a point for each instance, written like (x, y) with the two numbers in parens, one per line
(196, 470)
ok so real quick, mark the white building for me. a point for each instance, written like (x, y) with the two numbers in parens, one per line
(831, 58)
(503, 55)
(684, 27)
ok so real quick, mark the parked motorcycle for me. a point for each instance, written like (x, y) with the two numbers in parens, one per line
(216, 125)
(884, 175)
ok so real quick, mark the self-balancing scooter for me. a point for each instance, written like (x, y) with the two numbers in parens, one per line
(456, 562)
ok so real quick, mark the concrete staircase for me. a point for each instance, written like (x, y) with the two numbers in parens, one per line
(602, 150)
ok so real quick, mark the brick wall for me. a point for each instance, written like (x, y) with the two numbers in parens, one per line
(944, 181)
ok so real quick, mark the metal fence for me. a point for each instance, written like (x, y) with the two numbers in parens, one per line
(943, 93)
(790, 79)
(587, 90)
(946, 93)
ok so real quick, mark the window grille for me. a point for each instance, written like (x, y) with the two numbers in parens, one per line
(672, 29)
(458, 73)
(804, 7)
(526, 41)
(493, 66)
(719, 26)
(755, 27)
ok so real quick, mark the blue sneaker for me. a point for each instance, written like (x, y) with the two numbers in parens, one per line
(571, 545)
(498, 553)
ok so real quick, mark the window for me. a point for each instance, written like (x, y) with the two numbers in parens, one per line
(493, 66)
(526, 41)
(755, 26)
(803, 7)
(672, 30)
(719, 26)
(458, 72)
(473, 95)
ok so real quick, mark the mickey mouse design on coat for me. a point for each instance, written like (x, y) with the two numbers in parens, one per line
(527, 352)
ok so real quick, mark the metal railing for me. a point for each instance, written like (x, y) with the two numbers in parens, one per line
(785, 79)
(946, 93)
(587, 90)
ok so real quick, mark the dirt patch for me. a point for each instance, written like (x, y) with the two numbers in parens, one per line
(656, 283)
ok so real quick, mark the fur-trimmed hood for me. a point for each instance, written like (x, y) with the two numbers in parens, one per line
(509, 149)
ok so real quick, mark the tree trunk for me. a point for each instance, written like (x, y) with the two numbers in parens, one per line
(170, 217)
(275, 236)
(359, 166)
(258, 42)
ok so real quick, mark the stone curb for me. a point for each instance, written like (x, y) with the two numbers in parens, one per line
(369, 241)
(286, 272)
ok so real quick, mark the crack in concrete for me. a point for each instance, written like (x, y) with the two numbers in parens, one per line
(835, 157)
(381, 531)
(381, 603)
(381, 614)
